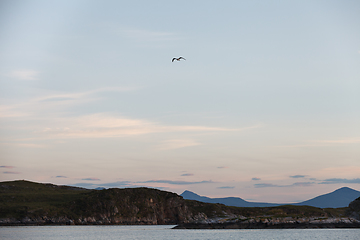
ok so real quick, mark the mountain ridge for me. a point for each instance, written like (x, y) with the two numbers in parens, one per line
(339, 198)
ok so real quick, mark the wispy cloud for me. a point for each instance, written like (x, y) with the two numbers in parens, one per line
(102, 125)
(37, 106)
(7, 167)
(265, 185)
(340, 180)
(256, 179)
(177, 143)
(221, 167)
(187, 174)
(297, 176)
(24, 74)
(78, 95)
(118, 184)
(297, 184)
(302, 184)
(61, 177)
(226, 187)
(11, 172)
(176, 182)
(91, 179)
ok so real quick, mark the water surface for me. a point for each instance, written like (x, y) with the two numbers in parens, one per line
(166, 233)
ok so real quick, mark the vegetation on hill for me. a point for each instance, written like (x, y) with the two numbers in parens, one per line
(24, 202)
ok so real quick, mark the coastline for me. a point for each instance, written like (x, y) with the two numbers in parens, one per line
(274, 224)
(253, 223)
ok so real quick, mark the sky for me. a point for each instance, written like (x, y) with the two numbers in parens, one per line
(265, 107)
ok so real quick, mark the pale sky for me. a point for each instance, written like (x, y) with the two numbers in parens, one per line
(266, 106)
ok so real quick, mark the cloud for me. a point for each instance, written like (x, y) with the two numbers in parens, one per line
(91, 179)
(265, 185)
(175, 182)
(340, 180)
(53, 97)
(61, 177)
(297, 184)
(256, 179)
(10, 172)
(24, 74)
(226, 187)
(7, 167)
(298, 176)
(177, 143)
(48, 102)
(302, 184)
(187, 174)
(222, 167)
(118, 184)
(102, 125)
(56, 124)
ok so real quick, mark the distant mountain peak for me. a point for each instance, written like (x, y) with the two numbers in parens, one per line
(336, 199)
(345, 189)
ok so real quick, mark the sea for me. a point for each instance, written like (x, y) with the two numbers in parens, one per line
(164, 232)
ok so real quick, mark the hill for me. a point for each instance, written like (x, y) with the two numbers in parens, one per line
(336, 199)
(228, 201)
(30, 203)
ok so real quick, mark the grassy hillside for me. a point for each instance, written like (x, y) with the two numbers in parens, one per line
(19, 198)
(213, 210)
(44, 203)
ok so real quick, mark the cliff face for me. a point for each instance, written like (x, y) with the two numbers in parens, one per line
(23, 202)
(354, 209)
(130, 206)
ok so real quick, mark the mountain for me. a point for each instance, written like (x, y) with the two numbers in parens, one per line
(337, 199)
(228, 201)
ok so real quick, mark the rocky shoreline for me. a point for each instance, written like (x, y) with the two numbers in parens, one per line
(60, 221)
(218, 223)
(286, 223)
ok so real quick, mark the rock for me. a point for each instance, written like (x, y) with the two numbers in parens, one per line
(354, 209)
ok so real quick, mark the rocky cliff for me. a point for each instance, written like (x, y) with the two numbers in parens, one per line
(354, 209)
(23, 202)
(29, 203)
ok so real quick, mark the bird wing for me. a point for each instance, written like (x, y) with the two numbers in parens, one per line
(173, 59)
(181, 58)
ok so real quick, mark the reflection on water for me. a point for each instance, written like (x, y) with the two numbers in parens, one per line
(165, 232)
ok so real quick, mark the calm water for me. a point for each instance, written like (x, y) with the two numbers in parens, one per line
(165, 232)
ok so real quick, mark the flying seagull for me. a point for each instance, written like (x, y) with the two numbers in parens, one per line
(177, 59)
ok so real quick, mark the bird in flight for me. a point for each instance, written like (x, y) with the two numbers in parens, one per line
(177, 59)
